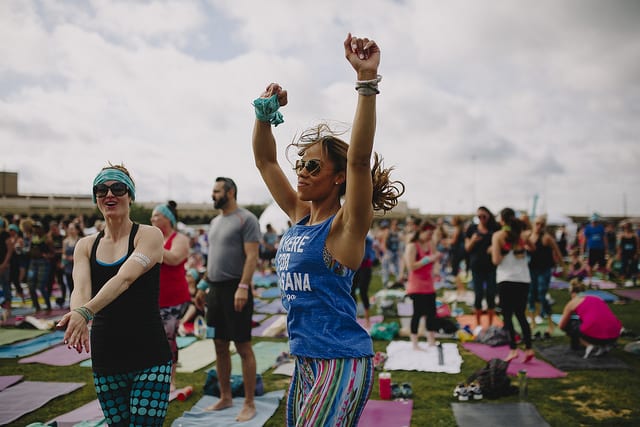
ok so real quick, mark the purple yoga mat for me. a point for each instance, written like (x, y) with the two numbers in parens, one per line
(9, 380)
(30, 395)
(535, 368)
(387, 413)
(378, 318)
(57, 356)
(630, 293)
(272, 307)
(87, 412)
(259, 330)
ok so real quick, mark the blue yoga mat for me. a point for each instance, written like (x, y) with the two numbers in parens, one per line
(603, 295)
(25, 348)
(266, 406)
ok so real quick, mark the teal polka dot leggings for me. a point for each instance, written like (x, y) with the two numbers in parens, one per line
(138, 398)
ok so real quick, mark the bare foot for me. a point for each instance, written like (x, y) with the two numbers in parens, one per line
(512, 355)
(247, 412)
(219, 405)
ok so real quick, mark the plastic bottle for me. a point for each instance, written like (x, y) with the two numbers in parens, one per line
(523, 385)
(384, 381)
(184, 393)
(440, 354)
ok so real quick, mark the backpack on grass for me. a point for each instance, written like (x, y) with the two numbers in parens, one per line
(493, 379)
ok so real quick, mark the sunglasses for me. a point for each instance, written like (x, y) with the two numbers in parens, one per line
(312, 166)
(118, 189)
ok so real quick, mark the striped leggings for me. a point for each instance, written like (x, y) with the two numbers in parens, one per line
(328, 392)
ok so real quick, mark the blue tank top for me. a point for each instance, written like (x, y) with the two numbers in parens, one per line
(316, 292)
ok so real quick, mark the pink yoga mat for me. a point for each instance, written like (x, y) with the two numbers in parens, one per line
(387, 413)
(259, 330)
(9, 380)
(372, 320)
(57, 356)
(88, 412)
(535, 368)
(630, 293)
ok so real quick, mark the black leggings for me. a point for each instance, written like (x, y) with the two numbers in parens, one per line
(424, 305)
(361, 280)
(513, 300)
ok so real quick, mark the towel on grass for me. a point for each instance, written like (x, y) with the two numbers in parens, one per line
(34, 345)
(535, 368)
(402, 356)
(497, 414)
(266, 406)
(57, 356)
(563, 357)
(28, 396)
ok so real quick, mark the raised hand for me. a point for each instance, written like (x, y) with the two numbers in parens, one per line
(275, 89)
(363, 54)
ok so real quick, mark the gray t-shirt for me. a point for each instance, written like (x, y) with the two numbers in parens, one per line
(227, 236)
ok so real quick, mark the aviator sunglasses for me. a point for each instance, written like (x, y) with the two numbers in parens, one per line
(312, 166)
(118, 189)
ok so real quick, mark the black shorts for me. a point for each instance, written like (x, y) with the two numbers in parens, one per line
(229, 324)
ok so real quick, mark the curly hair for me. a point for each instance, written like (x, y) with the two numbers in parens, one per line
(385, 191)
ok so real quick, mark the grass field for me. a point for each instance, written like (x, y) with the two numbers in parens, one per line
(582, 398)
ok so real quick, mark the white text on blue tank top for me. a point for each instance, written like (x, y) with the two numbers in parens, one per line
(291, 281)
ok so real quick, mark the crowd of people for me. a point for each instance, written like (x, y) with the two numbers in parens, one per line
(120, 273)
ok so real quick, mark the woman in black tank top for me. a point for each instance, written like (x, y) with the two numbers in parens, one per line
(116, 284)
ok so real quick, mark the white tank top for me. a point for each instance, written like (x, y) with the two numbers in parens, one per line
(513, 269)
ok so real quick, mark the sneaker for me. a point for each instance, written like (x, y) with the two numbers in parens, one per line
(475, 390)
(538, 320)
(588, 351)
(458, 389)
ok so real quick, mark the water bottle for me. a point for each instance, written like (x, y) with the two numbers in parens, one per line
(384, 382)
(522, 384)
(440, 354)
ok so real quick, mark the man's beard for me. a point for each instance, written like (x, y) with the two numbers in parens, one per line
(219, 204)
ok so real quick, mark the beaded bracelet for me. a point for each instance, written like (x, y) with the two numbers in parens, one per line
(267, 110)
(86, 314)
(368, 87)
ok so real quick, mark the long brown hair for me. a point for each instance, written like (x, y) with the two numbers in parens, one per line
(385, 191)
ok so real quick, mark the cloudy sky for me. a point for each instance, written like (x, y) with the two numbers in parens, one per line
(486, 103)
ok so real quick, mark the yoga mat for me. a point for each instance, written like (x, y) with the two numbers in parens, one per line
(266, 406)
(558, 284)
(285, 369)
(88, 412)
(601, 283)
(572, 360)
(30, 395)
(259, 330)
(11, 335)
(31, 346)
(186, 341)
(387, 413)
(555, 318)
(57, 356)
(541, 328)
(19, 314)
(273, 307)
(470, 320)
(497, 414)
(266, 353)
(9, 380)
(265, 280)
(603, 295)
(198, 355)
(270, 293)
(630, 293)
(402, 356)
(535, 368)
(258, 317)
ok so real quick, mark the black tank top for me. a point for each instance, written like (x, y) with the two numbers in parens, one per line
(628, 246)
(542, 257)
(127, 335)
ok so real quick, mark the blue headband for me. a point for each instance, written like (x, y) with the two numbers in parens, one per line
(164, 210)
(113, 174)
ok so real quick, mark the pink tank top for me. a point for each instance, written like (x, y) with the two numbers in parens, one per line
(174, 289)
(421, 279)
(597, 320)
